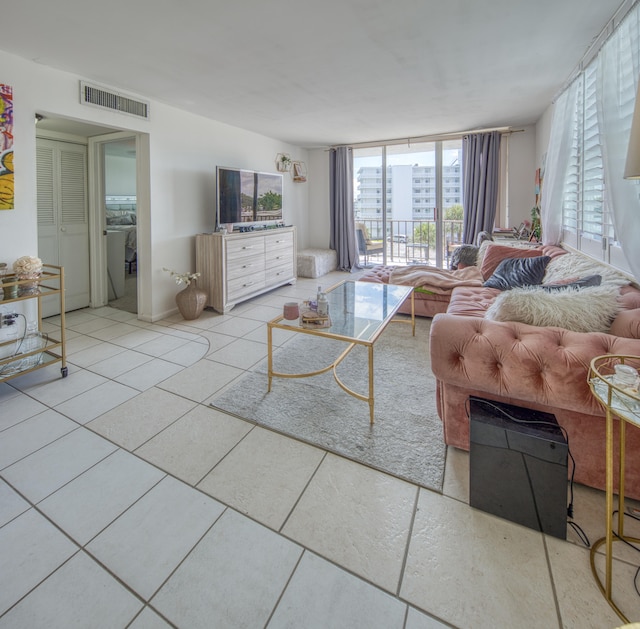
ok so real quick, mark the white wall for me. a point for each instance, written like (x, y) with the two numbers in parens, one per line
(522, 175)
(119, 175)
(184, 150)
(319, 219)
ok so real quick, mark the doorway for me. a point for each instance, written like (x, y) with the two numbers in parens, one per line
(112, 166)
(118, 158)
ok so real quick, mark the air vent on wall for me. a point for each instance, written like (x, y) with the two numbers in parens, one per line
(101, 97)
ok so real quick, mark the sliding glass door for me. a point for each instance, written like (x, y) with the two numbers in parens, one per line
(408, 198)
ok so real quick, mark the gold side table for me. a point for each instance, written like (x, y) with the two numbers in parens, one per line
(623, 403)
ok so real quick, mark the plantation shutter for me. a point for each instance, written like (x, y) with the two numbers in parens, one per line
(592, 170)
(45, 187)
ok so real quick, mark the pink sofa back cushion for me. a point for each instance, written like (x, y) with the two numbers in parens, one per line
(627, 323)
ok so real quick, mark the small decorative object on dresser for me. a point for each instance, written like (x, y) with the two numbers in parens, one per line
(190, 301)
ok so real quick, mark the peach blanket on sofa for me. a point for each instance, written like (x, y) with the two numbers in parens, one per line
(437, 281)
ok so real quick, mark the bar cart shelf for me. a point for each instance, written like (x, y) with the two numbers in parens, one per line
(623, 403)
(17, 357)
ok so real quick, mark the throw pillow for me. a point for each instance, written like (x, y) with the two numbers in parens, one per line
(464, 256)
(590, 309)
(120, 220)
(494, 254)
(591, 280)
(518, 272)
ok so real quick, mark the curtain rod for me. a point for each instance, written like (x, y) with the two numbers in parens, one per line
(425, 138)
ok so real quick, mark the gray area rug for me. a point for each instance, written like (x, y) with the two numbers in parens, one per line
(406, 437)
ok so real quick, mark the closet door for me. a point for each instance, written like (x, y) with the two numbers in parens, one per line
(63, 226)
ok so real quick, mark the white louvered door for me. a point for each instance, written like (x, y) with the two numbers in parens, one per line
(63, 225)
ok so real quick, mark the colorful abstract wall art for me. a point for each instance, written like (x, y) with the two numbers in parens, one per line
(7, 199)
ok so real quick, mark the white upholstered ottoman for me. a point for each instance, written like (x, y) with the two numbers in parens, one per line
(316, 262)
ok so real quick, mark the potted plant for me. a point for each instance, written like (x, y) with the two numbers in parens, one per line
(536, 226)
(283, 162)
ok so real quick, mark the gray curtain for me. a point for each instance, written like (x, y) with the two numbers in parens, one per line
(480, 176)
(343, 235)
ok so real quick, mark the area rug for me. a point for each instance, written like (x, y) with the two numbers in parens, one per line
(405, 439)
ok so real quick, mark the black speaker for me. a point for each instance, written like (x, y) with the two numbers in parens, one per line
(518, 465)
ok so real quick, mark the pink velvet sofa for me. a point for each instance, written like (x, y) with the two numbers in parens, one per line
(542, 368)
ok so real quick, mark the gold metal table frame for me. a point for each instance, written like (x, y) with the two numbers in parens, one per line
(380, 301)
(626, 406)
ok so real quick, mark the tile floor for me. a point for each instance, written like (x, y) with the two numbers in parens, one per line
(126, 501)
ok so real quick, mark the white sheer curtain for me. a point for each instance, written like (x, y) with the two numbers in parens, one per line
(618, 65)
(558, 160)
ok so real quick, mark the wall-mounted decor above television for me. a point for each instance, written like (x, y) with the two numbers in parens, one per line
(248, 197)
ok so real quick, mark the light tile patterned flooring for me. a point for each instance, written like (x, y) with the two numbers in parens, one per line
(126, 501)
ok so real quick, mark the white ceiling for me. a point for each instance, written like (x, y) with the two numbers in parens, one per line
(316, 73)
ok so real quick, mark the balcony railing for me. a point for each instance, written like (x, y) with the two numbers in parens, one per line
(413, 242)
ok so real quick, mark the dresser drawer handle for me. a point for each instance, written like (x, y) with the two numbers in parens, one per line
(245, 247)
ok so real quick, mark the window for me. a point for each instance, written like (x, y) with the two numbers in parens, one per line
(413, 186)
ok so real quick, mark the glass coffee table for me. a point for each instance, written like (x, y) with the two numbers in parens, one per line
(359, 312)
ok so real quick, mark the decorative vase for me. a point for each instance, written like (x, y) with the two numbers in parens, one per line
(191, 302)
(10, 292)
(30, 288)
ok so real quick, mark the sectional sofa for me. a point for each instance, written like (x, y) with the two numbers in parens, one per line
(519, 347)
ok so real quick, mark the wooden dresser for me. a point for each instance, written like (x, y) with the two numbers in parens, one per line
(235, 267)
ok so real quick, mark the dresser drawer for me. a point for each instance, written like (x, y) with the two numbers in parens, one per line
(279, 273)
(245, 247)
(244, 266)
(278, 242)
(242, 286)
(278, 258)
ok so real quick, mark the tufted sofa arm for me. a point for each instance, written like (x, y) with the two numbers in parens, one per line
(543, 366)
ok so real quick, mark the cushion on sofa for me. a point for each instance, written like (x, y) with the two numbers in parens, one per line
(589, 309)
(494, 254)
(627, 324)
(590, 280)
(471, 301)
(518, 272)
(464, 255)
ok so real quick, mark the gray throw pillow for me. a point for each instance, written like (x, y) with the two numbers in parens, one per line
(518, 272)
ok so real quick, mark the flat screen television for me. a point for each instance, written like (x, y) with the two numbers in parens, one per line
(248, 197)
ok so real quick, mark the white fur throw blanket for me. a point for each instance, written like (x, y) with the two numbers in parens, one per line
(437, 281)
(590, 309)
(576, 266)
